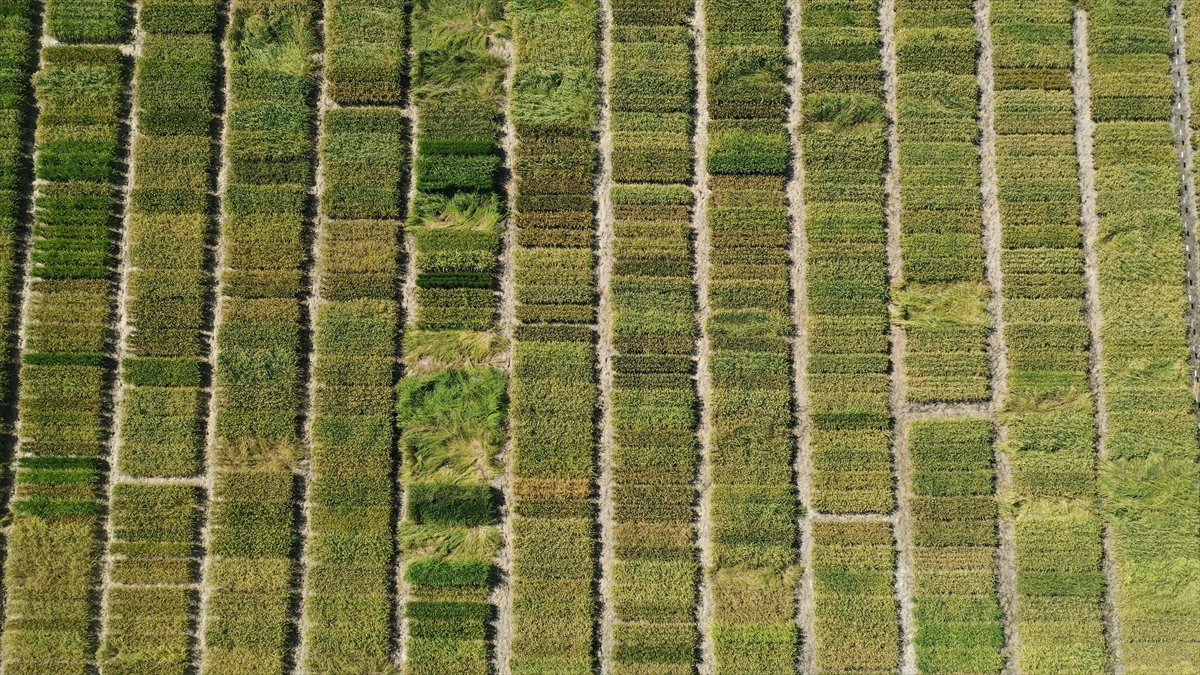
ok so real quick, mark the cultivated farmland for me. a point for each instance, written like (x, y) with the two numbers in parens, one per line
(599, 337)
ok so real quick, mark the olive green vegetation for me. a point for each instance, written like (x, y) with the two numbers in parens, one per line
(53, 551)
(155, 527)
(943, 300)
(451, 406)
(252, 515)
(754, 510)
(1150, 481)
(842, 135)
(954, 509)
(1049, 409)
(351, 493)
(553, 390)
(654, 334)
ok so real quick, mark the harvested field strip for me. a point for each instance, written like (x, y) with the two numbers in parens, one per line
(553, 392)
(943, 301)
(149, 598)
(654, 398)
(253, 539)
(53, 557)
(349, 552)
(1049, 409)
(451, 401)
(1149, 479)
(958, 627)
(17, 34)
(843, 139)
(753, 505)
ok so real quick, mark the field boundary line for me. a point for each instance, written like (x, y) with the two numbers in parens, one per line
(1089, 222)
(993, 247)
(702, 249)
(502, 594)
(210, 437)
(408, 305)
(902, 518)
(606, 511)
(311, 306)
(1181, 130)
(802, 467)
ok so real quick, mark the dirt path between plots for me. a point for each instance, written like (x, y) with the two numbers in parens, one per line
(1006, 564)
(805, 612)
(502, 594)
(1089, 221)
(899, 399)
(701, 194)
(604, 348)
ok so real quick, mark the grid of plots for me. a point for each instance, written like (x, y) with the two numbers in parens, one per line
(309, 367)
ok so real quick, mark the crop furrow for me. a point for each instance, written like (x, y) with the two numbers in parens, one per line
(701, 242)
(805, 617)
(1005, 561)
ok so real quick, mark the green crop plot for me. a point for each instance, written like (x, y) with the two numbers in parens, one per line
(654, 334)
(753, 508)
(843, 142)
(1149, 479)
(53, 557)
(156, 527)
(553, 390)
(943, 300)
(252, 516)
(1049, 409)
(559, 337)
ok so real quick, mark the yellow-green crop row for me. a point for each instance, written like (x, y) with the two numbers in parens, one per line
(754, 508)
(1049, 408)
(553, 391)
(349, 581)
(250, 564)
(943, 301)
(654, 399)
(953, 505)
(155, 526)
(53, 547)
(1149, 481)
(843, 144)
(19, 57)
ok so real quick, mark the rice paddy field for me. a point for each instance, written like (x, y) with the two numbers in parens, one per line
(599, 337)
